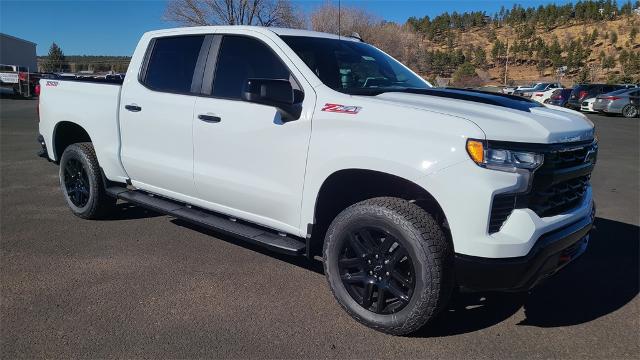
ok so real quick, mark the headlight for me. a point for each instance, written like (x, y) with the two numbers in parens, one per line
(502, 159)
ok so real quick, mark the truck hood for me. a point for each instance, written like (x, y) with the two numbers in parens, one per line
(501, 117)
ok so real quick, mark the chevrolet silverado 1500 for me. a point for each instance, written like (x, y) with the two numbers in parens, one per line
(317, 145)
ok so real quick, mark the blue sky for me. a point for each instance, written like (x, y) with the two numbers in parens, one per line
(112, 27)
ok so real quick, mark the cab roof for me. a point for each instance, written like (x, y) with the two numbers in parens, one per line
(260, 29)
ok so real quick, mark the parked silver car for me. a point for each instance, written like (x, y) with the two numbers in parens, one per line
(618, 102)
(539, 87)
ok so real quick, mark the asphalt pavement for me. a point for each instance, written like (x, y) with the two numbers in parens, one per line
(143, 285)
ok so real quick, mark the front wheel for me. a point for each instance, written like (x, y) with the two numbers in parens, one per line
(630, 111)
(82, 184)
(389, 264)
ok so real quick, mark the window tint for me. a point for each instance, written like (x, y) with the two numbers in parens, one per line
(242, 58)
(172, 63)
(352, 67)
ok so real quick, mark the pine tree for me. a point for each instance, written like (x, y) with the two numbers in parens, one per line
(594, 36)
(608, 62)
(613, 37)
(55, 59)
(479, 57)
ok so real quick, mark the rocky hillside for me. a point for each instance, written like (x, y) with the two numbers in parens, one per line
(588, 51)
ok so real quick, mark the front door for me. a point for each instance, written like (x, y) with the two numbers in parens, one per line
(248, 162)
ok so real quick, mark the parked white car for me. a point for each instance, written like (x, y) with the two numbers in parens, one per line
(511, 89)
(587, 105)
(542, 96)
(310, 144)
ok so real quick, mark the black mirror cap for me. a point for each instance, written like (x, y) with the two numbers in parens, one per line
(277, 93)
(269, 90)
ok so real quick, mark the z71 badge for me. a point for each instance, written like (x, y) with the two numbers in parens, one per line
(344, 109)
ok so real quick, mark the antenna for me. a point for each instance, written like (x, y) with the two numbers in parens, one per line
(339, 29)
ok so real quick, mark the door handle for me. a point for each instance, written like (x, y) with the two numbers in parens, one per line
(133, 108)
(209, 118)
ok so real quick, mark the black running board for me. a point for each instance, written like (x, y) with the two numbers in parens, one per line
(251, 233)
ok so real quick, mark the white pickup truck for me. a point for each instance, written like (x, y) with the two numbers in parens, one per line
(313, 144)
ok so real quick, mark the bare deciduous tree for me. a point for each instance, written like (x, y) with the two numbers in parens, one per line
(390, 37)
(325, 19)
(235, 12)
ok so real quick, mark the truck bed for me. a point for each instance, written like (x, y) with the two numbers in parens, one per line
(90, 103)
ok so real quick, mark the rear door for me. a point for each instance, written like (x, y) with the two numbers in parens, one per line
(156, 113)
(248, 162)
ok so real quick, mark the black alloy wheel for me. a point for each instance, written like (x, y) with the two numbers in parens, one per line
(76, 183)
(630, 111)
(376, 270)
(82, 182)
(389, 264)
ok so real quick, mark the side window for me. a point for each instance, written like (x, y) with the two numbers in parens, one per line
(172, 63)
(242, 58)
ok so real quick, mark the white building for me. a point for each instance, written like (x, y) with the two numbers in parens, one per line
(15, 51)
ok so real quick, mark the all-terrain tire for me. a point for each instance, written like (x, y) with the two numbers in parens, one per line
(98, 204)
(429, 250)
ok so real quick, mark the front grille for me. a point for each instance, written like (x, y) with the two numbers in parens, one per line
(565, 158)
(559, 198)
(557, 186)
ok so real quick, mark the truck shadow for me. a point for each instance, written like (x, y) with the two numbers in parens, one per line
(300, 261)
(600, 282)
(603, 280)
(128, 211)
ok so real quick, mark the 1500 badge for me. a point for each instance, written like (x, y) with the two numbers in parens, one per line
(344, 109)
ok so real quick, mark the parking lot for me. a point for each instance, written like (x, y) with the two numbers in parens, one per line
(146, 285)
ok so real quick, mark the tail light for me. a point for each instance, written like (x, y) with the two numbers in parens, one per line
(583, 94)
(36, 90)
(539, 94)
(612, 98)
(22, 76)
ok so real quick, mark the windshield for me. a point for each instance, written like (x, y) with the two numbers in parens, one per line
(353, 67)
(540, 86)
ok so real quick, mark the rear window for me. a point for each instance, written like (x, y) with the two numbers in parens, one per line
(172, 63)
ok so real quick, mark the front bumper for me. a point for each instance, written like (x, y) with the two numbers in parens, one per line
(551, 252)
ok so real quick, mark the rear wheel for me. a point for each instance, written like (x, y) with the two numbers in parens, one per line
(82, 183)
(630, 111)
(388, 264)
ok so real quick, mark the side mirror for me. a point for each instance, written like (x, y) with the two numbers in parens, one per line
(277, 93)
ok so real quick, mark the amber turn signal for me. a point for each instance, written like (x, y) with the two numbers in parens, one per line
(475, 149)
